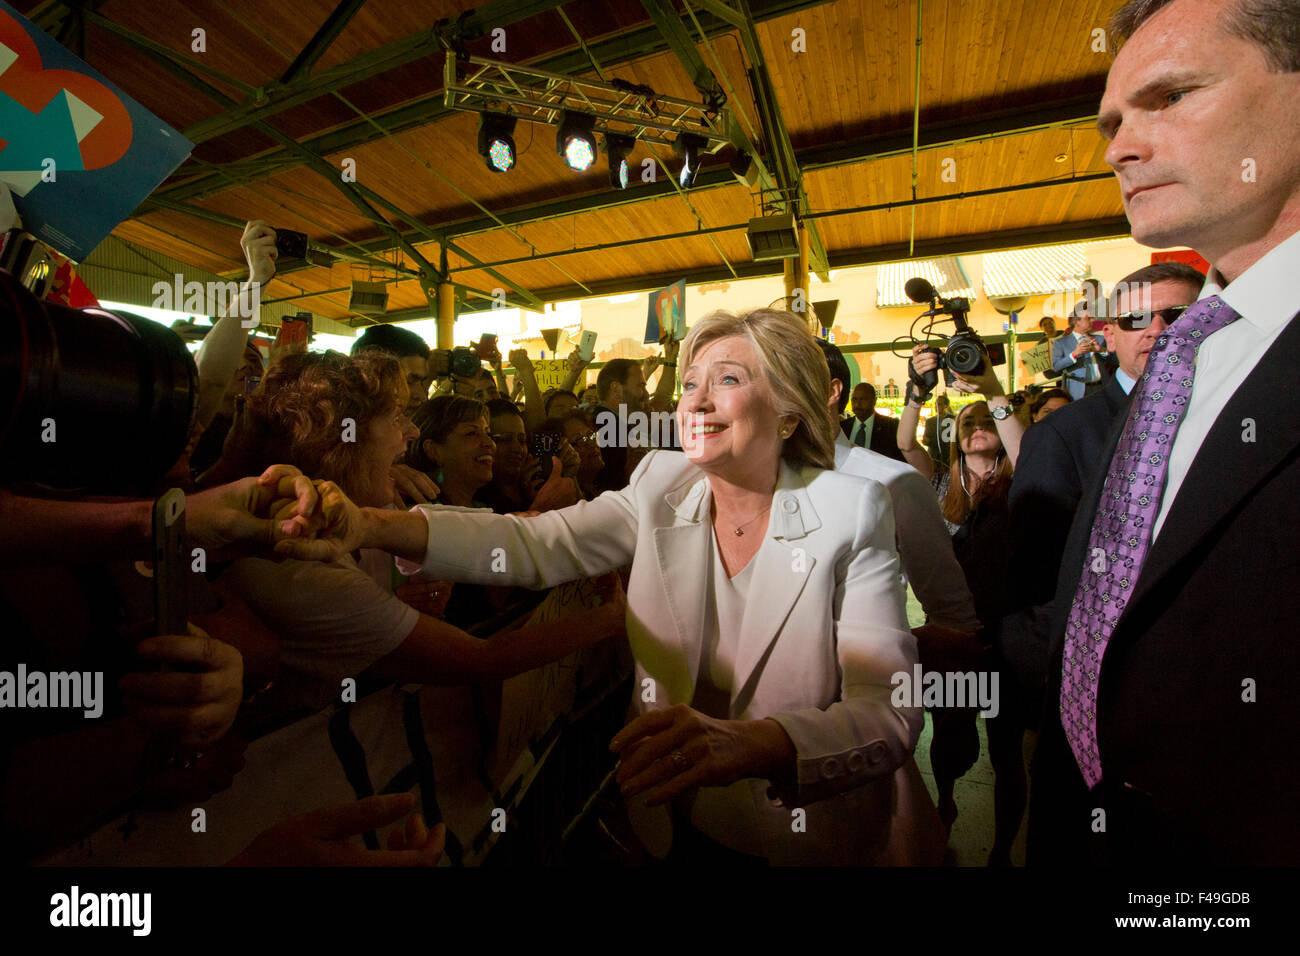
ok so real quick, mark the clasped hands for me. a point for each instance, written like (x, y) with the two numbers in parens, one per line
(665, 753)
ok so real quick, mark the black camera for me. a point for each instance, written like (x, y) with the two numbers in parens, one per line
(460, 361)
(90, 399)
(966, 353)
(290, 244)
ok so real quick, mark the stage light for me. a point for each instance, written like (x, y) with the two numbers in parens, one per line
(618, 147)
(496, 142)
(575, 141)
(688, 146)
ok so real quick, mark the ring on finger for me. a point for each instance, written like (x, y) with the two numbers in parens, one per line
(680, 763)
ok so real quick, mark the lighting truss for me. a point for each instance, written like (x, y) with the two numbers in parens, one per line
(478, 85)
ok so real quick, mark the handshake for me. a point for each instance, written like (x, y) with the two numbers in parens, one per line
(283, 509)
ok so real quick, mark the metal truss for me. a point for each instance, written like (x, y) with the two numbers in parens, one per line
(478, 85)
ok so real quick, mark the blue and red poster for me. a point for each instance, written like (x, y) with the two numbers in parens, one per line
(77, 153)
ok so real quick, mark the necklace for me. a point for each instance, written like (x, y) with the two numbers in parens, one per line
(740, 528)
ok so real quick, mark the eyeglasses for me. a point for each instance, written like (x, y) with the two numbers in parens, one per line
(1137, 321)
(583, 439)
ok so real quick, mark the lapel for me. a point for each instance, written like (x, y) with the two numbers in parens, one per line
(779, 578)
(684, 553)
(1226, 469)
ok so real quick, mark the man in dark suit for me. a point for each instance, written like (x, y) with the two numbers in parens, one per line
(1169, 727)
(867, 428)
(1060, 453)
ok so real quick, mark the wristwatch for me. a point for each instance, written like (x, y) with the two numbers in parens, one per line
(1000, 412)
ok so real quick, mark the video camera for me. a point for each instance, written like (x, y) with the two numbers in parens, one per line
(966, 353)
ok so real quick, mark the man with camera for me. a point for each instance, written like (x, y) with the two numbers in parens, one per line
(1076, 355)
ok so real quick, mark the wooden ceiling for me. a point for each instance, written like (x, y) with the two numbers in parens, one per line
(1007, 151)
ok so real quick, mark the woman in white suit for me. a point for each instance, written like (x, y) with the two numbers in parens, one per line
(765, 612)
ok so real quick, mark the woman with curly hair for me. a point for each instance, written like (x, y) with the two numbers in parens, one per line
(343, 420)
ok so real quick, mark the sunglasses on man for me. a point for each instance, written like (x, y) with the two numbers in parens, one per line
(1137, 321)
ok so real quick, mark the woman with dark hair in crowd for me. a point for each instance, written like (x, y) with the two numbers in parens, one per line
(972, 494)
(581, 435)
(516, 473)
(343, 420)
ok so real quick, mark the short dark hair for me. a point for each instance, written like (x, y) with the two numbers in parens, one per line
(839, 369)
(389, 338)
(1272, 25)
(436, 419)
(502, 406)
(552, 395)
(1046, 395)
(615, 370)
(868, 386)
(1170, 271)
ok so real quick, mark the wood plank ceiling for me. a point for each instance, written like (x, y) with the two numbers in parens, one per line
(1006, 107)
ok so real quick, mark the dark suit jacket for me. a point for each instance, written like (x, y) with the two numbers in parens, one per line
(884, 435)
(1057, 459)
(1192, 772)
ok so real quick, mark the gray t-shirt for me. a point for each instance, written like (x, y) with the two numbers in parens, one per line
(333, 619)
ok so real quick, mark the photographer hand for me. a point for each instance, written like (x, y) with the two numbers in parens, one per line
(258, 243)
(986, 383)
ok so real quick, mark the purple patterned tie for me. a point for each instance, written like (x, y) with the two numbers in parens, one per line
(1126, 515)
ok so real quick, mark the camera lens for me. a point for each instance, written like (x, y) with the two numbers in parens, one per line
(90, 399)
(964, 357)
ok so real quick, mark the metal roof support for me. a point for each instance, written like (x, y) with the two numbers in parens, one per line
(304, 87)
(947, 246)
(779, 138)
(318, 44)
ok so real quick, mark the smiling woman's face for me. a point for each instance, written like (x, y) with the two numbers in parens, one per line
(726, 416)
(466, 455)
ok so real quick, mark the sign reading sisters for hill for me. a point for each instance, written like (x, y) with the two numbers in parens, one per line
(78, 154)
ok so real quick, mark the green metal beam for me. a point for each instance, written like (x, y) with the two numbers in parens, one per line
(896, 252)
(634, 44)
(280, 96)
(320, 42)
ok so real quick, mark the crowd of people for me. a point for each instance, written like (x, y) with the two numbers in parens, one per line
(366, 517)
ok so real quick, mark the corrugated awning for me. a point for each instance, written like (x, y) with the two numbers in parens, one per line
(1038, 271)
(945, 274)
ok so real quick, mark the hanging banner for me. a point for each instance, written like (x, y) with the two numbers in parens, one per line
(78, 154)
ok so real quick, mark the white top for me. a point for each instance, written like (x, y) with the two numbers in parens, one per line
(825, 629)
(724, 814)
(924, 544)
(1265, 298)
(332, 619)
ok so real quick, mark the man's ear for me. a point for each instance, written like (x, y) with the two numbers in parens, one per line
(1108, 332)
(837, 389)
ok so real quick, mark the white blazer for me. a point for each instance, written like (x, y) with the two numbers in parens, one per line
(824, 631)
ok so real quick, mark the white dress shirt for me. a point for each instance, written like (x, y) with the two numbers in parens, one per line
(924, 544)
(1265, 298)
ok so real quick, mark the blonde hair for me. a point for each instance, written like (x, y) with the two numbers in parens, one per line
(791, 365)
